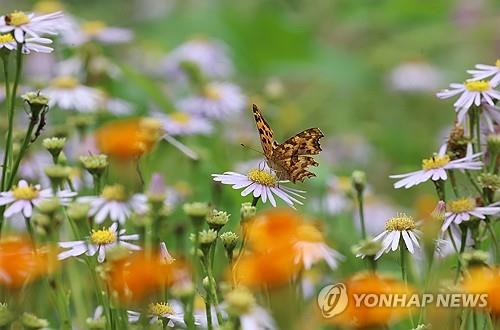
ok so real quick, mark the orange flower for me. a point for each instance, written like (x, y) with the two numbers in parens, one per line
(139, 275)
(363, 316)
(129, 138)
(485, 280)
(273, 229)
(271, 268)
(19, 264)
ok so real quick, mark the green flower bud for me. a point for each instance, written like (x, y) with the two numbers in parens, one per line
(78, 211)
(54, 145)
(207, 237)
(366, 248)
(36, 101)
(217, 219)
(49, 206)
(475, 258)
(493, 142)
(229, 240)
(489, 181)
(247, 211)
(239, 301)
(182, 290)
(358, 179)
(95, 164)
(30, 321)
(197, 211)
(57, 173)
(6, 316)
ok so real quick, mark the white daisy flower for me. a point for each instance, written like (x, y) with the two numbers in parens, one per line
(261, 183)
(257, 318)
(171, 311)
(68, 94)
(36, 45)
(311, 248)
(7, 41)
(210, 56)
(115, 204)
(216, 101)
(97, 31)
(33, 25)
(98, 243)
(414, 77)
(117, 106)
(183, 123)
(23, 197)
(472, 92)
(397, 229)
(484, 71)
(435, 168)
(463, 209)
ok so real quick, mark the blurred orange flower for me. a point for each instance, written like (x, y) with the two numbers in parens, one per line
(129, 138)
(141, 274)
(485, 280)
(273, 229)
(371, 316)
(20, 264)
(271, 268)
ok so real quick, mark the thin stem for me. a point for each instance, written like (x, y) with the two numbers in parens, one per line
(462, 249)
(402, 261)
(22, 151)
(361, 214)
(471, 179)
(5, 61)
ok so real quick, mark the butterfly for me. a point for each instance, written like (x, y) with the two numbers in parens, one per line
(290, 159)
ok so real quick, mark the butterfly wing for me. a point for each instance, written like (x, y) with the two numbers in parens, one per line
(265, 132)
(293, 155)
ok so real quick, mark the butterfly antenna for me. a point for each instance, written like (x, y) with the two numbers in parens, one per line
(257, 151)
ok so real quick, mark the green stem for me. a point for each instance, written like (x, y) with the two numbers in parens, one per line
(361, 214)
(5, 61)
(462, 249)
(208, 311)
(402, 260)
(471, 179)
(22, 151)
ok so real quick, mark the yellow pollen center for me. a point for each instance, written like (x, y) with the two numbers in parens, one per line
(93, 28)
(102, 237)
(497, 63)
(180, 117)
(399, 223)
(477, 86)
(114, 193)
(309, 233)
(17, 18)
(4, 38)
(47, 6)
(65, 82)
(462, 205)
(211, 92)
(435, 162)
(160, 309)
(26, 193)
(262, 177)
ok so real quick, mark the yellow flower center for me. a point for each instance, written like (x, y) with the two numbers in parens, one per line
(114, 193)
(309, 233)
(477, 86)
(211, 92)
(435, 162)
(47, 6)
(4, 38)
(65, 82)
(180, 117)
(262, 177)
(26, 193)
(17, 18)
(462, 205)
(102, 237)
(497, 63)
(399, 223)
(160, 309)
(93, 28)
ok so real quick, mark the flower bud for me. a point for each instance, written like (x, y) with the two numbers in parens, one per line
(217, 219)
(247, 211)
(183, 290)
(57, 174)
(197, 211)
(239, 301)
(206, 238)
(78, 211)
(475, 258)
(6, 316)
(54, 145)
(30, 321)
(37, 102)
(358, 179)
(95, 164)
(493, 142)
(229, 240)
(49, 206)
(366, 248)
(489, 181)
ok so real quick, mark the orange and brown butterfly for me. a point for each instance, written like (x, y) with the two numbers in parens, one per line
(290, 159)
